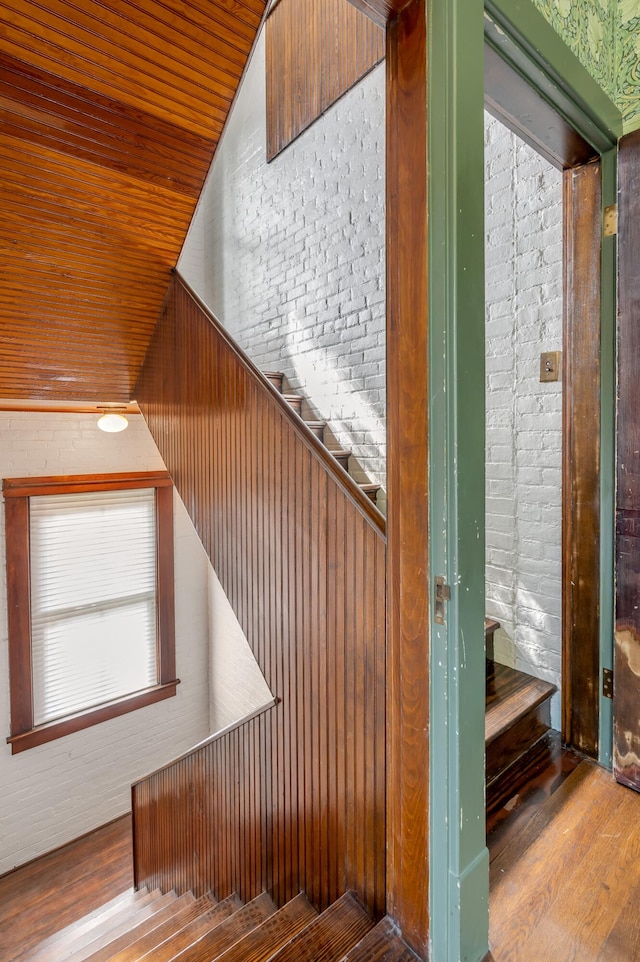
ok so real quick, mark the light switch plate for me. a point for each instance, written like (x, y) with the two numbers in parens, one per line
(550, 363)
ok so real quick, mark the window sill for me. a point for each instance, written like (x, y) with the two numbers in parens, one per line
(93, 716)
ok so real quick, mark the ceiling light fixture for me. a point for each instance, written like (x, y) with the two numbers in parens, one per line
(112, 419)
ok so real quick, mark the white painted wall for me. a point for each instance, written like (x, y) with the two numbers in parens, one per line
(237, 685)
(53, 793)
(524, 416)
(290, 257)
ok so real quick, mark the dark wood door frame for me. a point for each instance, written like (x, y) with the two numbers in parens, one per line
(523, 110)
(581, 459)
(408, 577)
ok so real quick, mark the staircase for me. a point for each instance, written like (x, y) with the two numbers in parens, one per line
(318, 428)
(517, 726)
(150, 926)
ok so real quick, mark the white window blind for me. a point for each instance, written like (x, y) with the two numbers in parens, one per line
(93, 599)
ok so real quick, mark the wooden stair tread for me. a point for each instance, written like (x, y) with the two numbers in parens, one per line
(277, 930)
(89, 927)
(160, 910)
(511, 694)
(210, 943)
(154, 930)
(382, 944)
(101, 912)
(329, 937)
(158, 943)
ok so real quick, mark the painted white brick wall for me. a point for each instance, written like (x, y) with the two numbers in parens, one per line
(524, 417)
(290, 257)
(53, 793)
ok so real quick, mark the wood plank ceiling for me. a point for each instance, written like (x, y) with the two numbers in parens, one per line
(110, 113)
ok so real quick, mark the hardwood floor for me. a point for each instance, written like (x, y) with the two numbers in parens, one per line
(42, 897)
(567, 886)
(565, 875)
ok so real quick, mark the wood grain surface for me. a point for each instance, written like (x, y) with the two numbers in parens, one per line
(316, 50)
(295, 799)
(40, 898)
(581, 460)
(408, 508)
(565, 887)
(111, 112)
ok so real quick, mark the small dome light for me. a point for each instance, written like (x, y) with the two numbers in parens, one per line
(112, 422)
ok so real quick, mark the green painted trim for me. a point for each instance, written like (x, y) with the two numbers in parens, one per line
(458, 889)
(607, 456)
(459, 860)
(520, 33)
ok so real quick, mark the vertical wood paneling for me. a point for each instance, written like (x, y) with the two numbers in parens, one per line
(293, 799)
(316, 50)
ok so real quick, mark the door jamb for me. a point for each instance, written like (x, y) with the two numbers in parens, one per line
(458, 861)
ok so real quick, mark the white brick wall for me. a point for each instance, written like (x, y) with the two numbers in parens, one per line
(290, 257)
(58, 791)
(524, 416)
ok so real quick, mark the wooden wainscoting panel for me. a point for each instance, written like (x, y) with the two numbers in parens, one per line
(316, 50)
(294, 799)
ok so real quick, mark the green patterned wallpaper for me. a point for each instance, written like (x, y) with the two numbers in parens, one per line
(628, 62)
(605, 36)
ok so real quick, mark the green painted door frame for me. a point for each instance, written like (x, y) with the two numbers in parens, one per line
(459, 873)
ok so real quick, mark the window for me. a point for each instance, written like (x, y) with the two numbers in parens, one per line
(90, 600)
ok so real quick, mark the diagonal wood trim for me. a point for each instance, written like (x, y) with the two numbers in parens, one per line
(381, 11)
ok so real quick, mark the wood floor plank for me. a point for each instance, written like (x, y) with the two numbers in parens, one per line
(42, 897)
(566, 887)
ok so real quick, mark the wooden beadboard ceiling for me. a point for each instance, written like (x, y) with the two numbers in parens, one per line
(109, 116)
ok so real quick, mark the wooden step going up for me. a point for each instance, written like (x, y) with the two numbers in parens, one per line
(318, 428)
(150, 927)
(517, 722)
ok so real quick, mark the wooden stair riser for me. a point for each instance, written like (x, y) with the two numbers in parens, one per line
(342, 457)
(518, 716)
(295, 402)
(276, 378)
(521, 772)
(522, 736)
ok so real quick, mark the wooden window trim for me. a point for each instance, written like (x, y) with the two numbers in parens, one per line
(17, 492)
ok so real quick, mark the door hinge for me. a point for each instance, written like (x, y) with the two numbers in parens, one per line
(442, 593)
(607, 682)
(610, 220)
